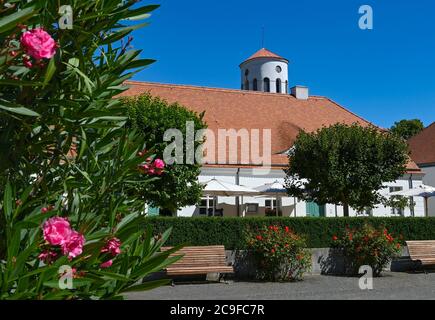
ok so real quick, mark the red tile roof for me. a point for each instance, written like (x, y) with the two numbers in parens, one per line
(264, 53)
(285, 115)
(423, 146)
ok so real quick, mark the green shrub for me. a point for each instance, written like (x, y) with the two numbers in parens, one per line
(374, 247)
(65, 153)
(153, 117)
(280, 254)
(230, 231)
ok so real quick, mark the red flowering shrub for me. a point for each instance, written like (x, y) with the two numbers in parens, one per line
(367, 246)
(280, 254)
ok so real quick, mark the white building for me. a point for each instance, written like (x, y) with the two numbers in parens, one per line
(423, 153)
(264, 111)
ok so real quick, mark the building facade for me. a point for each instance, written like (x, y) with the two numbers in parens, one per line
(251, 130)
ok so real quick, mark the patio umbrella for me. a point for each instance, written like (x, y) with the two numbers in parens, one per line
(422, 191)
(275, 189)
(215, 187)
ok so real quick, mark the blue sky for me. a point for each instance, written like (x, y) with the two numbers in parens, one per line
(384, 75)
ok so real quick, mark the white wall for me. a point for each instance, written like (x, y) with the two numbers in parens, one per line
(249, 179)
(429, 179)
(261, 68)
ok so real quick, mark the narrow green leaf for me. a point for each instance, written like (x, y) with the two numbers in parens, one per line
(10, 21)
(19, 110)
(147, 286)
(7, 201)
(112, 275)
(18, 83)
(51, 69)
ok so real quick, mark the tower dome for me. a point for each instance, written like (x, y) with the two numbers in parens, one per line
(265, 71)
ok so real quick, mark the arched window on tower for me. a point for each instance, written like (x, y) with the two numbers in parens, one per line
(246, 84)
(266, 85)
(255, 85)
(278, 85)
(286, 86)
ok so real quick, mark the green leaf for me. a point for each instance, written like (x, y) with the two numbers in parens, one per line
(147, 286)
(83, 144)
(140, 13)
(10, 21)
(7, 201)
(51, 69)
(7, 82)
(121, 33)
(112, 275)
(19, 110)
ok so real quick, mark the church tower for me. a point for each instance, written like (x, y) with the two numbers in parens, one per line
(265, 71)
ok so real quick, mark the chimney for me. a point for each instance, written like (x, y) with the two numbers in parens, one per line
(300, 92)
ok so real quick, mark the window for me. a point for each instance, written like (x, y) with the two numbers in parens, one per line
(255, 85)
(286, 87)
(278, 69)
(266, 85)
(246, 72)
(246, 84)
(396, 211)
(270, 208)
(278, 85)
(203, 205)
(270, 204)
(252, 207)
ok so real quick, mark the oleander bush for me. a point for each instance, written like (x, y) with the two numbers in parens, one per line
(279, 253)
(71, 171)
(230, 231)
(367, 246)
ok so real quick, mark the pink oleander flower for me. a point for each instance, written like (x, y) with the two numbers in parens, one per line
(56, 231)
(47, 256)
(112, 246)
(106, 264)
(73, 246)
(159, 164)
(38, 44)
(144, 168)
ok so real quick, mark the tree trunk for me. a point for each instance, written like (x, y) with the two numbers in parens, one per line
(346, 209)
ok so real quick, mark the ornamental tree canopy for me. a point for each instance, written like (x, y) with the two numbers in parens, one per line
(178, 186)
(345, 165)
(407, 128)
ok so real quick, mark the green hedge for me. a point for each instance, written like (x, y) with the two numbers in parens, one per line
(198, 231)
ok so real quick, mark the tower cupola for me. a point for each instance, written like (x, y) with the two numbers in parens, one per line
(265, 71)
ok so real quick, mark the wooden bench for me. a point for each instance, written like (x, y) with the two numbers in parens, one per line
(422, 252)
(199, 261)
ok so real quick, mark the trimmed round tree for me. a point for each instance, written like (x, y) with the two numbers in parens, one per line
(345, 165)
(407, 128)
(153, 117)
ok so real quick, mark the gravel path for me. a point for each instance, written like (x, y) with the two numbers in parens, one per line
(390, 286)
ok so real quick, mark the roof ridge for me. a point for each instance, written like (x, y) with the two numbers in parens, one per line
(429, 127)
(264, 53)
(351, 112)
(229, 90)
(432, 124)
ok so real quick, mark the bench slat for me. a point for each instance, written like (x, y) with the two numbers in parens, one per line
(423, 251)
(199, 260)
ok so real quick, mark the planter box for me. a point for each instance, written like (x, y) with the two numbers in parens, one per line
(323, 261)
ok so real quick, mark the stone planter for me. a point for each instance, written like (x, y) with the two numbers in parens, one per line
(327, 261)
